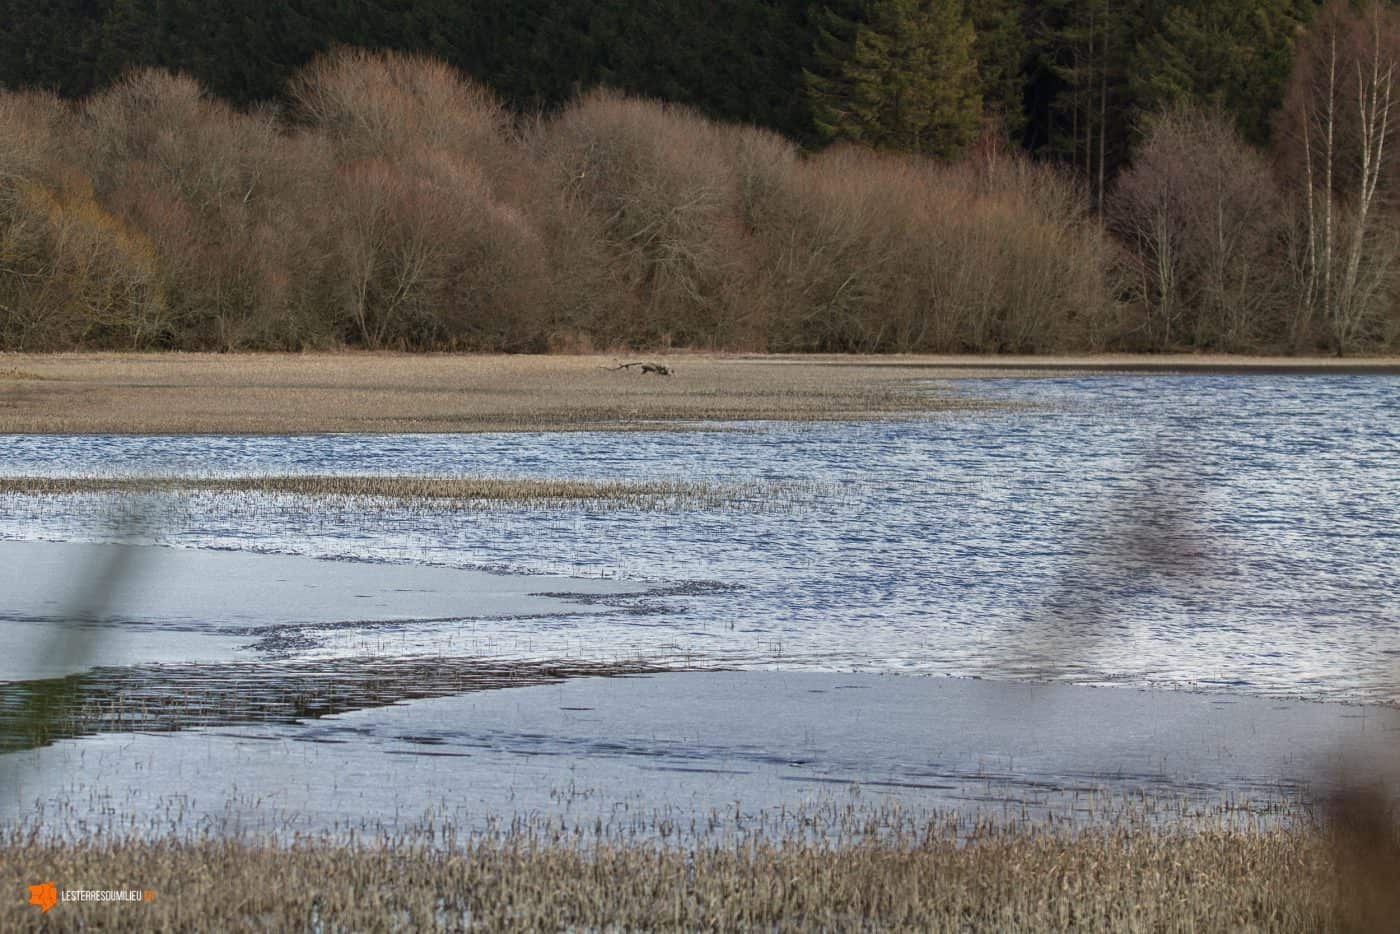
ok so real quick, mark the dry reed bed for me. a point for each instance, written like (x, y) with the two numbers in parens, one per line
(285, 394)
(177, 393)
(1114, 879)
(435, 491)
(12, 374)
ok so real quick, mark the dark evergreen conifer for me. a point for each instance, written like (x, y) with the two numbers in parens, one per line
(904, 78)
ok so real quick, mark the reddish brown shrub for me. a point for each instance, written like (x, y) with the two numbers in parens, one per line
(232, 201)
(390, 105)
(1204, 226)
(431, 258)
(400, 208)
(659, 180)
(872, 253)
(70, 272)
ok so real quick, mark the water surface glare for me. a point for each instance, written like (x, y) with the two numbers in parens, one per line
(1234, 532)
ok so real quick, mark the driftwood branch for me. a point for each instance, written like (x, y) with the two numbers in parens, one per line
(656, 368)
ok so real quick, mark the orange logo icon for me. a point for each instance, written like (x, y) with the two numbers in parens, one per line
(45, 895)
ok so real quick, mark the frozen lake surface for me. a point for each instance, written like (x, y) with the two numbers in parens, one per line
(1236, 535)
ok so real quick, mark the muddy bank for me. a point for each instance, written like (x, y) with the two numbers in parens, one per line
(280, 394)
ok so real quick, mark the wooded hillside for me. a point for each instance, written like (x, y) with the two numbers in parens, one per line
(1057, 73)
(854, 175)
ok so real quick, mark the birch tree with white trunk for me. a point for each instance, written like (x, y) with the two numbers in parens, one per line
(1346, 260)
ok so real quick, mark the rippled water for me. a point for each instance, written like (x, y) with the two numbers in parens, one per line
(1223, 531)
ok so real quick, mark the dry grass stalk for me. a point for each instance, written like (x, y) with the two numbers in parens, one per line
(562, 878)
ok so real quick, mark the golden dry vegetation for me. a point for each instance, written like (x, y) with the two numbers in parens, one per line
(185, 393)
(280, 393)
(1109, 880)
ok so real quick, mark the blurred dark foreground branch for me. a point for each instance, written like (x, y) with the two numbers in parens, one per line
(1152, 545)
(1364, 837)
(76, 641)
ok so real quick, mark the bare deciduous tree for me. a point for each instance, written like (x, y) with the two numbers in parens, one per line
(71, 272)
(661, 180)
(1202, 221)
(1339, 115)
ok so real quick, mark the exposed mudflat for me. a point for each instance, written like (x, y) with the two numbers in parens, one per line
(176, 393)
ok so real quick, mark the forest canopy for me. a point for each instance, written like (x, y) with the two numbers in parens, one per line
(863, 175)
(1051, 71)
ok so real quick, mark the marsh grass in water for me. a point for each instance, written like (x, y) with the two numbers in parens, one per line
(1226, 871)
(438, 492)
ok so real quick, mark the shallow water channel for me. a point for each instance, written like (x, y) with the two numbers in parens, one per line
(1233, 535)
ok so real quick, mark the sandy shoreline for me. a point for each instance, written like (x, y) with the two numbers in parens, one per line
(291, 394)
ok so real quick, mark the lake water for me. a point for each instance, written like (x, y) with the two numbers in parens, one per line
(1237, 532)
(1234, 535)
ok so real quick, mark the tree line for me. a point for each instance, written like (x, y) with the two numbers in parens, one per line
(1068, 77)
(988, 176)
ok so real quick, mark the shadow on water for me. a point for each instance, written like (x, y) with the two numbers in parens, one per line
(1152, 545)
(41, 706)
(1147, 546)
(167, 698)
